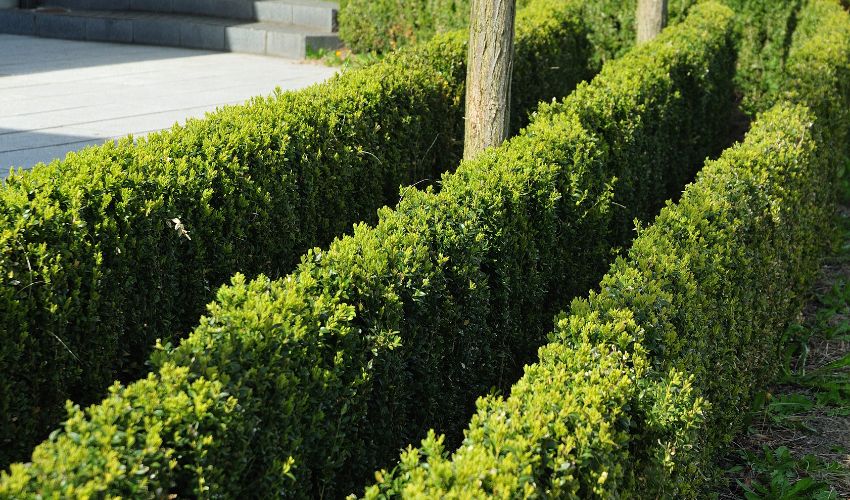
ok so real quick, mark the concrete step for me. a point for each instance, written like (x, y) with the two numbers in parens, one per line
(317, 14)
(176, 30)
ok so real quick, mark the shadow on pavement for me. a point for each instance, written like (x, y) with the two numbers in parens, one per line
(26, 148)
(24, 55)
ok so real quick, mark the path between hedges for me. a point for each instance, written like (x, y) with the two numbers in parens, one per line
(58, 96)
(798, 442)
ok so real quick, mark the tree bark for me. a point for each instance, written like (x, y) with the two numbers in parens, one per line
(488, 74)
(651, 19)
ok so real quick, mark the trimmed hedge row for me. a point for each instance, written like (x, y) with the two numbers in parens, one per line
(302, 386)
(645, 378)
(644, 382)
(92, 269)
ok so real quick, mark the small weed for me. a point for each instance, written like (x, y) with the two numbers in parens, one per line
(788, 410)
(779, 476)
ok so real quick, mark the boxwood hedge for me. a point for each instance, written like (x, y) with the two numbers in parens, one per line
(301, 386)
(642, 378)
(646, 380)
(115, 246)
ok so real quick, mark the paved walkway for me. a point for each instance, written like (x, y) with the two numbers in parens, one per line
(58, 96)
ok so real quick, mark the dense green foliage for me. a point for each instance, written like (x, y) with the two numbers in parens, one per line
(646, 380)
(766, 28)
(93, 270)
(382, 25)
(301, 386)
(819, 71)
(611, 24)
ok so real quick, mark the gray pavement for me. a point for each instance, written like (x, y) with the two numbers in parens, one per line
(58, 96)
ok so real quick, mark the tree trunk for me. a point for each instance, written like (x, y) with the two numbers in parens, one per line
(651, 19)
(488, 74)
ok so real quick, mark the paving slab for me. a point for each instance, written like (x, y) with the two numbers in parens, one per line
(58, 96)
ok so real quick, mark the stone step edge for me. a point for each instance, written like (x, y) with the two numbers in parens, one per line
(321, 15)
(265, 38)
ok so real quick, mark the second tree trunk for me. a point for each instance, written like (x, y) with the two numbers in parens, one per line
(651, 19)
(488, 77)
